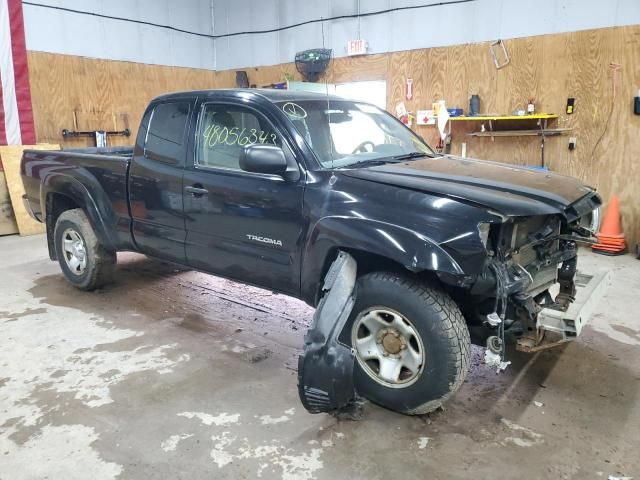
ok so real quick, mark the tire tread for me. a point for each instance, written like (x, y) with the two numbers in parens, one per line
(451, 325)
(104, 261)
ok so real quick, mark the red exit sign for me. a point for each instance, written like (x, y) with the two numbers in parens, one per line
(356, 47)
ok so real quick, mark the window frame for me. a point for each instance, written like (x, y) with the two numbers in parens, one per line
(180, 162)
(286, 147)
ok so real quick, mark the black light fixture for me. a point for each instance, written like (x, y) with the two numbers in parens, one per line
(312, 63)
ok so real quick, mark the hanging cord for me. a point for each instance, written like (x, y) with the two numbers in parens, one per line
(326, 91)
(615, 67)
(359, 36)
(500, 306)
(249, 32)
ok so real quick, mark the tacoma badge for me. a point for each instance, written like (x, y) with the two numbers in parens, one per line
(270, 241)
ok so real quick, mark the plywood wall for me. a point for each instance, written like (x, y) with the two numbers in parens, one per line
(550, 68)
(90, 94)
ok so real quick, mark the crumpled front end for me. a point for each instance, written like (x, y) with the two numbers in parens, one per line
(529, 288)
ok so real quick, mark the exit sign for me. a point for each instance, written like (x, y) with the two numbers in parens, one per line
(356, 47)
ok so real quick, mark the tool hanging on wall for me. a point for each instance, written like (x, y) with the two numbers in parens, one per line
(100, 136)
(499, 54)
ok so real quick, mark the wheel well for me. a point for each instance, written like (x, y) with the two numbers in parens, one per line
(371, 262)
(56, 204)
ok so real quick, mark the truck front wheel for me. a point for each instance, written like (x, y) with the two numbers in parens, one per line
(411, 342)
(85, 262)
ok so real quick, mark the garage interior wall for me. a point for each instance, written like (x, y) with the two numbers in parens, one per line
(55, 30)
(445, 23)
(453, 62)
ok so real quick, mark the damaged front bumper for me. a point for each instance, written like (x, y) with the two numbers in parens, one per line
(556, 326)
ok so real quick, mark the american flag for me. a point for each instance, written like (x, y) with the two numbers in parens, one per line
(16, 116)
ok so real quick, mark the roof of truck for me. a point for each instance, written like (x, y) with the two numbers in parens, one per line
(272, 94)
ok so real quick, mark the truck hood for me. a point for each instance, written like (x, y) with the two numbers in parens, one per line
(508, 189)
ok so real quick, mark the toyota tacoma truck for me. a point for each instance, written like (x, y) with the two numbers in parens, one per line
(313, 195)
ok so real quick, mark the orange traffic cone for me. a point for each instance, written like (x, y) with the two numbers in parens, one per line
(611, 237)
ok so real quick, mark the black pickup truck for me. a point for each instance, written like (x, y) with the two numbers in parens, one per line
(307, 194)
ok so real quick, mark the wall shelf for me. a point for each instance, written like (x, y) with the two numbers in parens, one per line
(547, 132)
(541, 120)
(485, 118)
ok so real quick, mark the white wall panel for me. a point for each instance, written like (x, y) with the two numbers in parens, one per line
(75, 34)
(64, 32)
(263, 15)
(444, 25)
(376, 29)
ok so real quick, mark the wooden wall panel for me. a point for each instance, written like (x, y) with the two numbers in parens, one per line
(100, 93)
(548, 68)
(8, 223)
(355, 69)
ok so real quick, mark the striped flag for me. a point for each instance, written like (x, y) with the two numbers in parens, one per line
(16, 116)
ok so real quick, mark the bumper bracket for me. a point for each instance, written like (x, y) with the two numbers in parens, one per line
(566, 325)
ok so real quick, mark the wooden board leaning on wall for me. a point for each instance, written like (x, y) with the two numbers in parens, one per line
(8, 223)
(10, 157)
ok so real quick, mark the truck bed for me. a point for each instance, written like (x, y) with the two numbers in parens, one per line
(79, 177)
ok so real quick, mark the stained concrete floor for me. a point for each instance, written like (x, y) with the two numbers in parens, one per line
(162, 375)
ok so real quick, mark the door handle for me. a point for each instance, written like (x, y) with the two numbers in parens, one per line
(196, 190)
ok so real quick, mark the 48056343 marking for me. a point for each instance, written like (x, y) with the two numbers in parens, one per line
(218, 135)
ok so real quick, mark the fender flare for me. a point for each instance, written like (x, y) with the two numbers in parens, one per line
(98, 210)
(415, 251)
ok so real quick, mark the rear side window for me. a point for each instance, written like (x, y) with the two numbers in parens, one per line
(226, 129)
(166, 135)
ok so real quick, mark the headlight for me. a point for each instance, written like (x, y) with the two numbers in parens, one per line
(591, 221)
(483, 231)
(595, 220)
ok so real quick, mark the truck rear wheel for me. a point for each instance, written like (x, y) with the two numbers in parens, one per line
(411, 341)
(86, 264)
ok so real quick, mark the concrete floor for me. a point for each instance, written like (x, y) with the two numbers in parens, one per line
(163, 375)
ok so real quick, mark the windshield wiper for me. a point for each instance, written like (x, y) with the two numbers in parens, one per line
(371, 161)
(409, 156)
(385, 160)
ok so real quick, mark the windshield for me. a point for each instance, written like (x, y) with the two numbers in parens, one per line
(346, 133)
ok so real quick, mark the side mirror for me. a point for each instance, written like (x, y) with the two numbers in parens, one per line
(268, 159)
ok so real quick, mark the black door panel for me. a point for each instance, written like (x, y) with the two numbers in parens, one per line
(246, 227)
(243, 226)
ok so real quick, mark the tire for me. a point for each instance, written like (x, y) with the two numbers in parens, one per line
(98, 265)
(434, 334)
